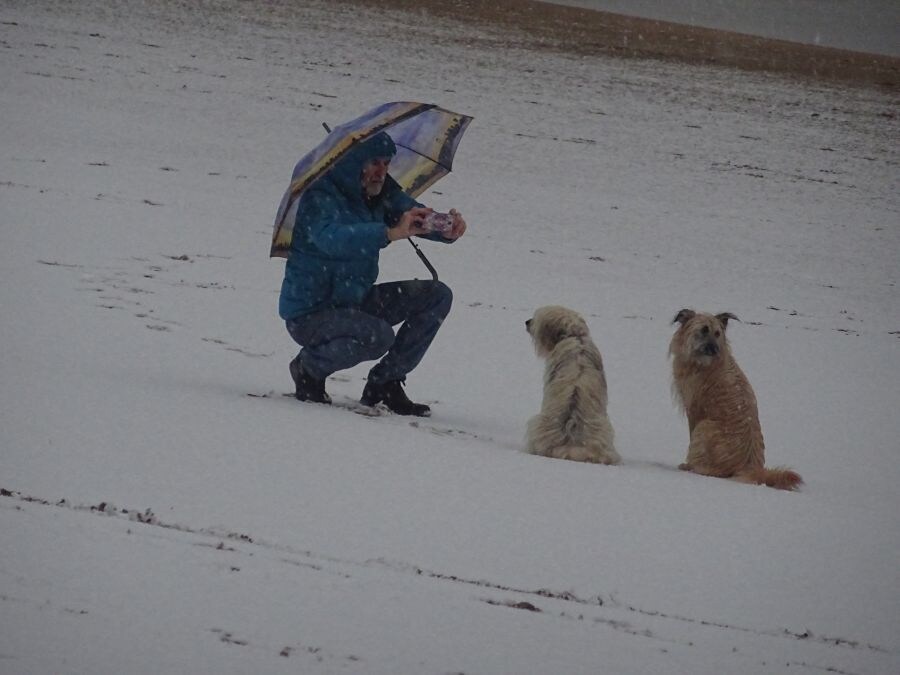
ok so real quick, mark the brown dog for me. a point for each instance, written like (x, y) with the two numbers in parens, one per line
(726, 439)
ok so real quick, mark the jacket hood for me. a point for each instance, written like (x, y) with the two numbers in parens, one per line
(347, 171)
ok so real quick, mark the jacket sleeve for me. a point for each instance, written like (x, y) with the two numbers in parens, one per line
(319, 222)
(398, 203)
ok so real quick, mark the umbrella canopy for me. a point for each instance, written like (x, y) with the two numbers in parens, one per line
(426, 137)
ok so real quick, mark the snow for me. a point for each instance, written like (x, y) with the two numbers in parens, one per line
(167, 510)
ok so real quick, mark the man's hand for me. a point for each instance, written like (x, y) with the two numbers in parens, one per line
(409, 225)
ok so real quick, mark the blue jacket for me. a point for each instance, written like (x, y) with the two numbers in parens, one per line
(338, 237)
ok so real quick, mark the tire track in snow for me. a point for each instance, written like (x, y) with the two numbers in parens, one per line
(567, 605)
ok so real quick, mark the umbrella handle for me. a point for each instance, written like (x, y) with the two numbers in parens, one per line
(434, 274)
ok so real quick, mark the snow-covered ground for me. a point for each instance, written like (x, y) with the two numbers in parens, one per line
(165, 509)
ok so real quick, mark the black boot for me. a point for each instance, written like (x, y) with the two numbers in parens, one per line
(309, 388)
(392, 395)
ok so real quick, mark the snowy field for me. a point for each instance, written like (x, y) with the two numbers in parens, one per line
(165, 510)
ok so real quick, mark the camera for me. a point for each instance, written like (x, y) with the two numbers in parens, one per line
(438, 222)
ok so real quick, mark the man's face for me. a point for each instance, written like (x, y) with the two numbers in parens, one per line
(374, 173)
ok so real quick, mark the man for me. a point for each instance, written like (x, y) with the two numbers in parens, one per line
(329, 299)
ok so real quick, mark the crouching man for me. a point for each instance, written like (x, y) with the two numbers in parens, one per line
(329, 299)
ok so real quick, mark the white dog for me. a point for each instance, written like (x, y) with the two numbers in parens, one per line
(572, 423)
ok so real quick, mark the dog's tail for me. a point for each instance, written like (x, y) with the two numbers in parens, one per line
(780, 478)
(576, 453)
(581, 453)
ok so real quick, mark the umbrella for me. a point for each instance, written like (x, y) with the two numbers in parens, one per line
(426, 137)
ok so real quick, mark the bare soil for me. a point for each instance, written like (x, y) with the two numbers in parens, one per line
(530, 24)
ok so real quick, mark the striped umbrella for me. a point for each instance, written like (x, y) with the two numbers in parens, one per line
(426, 137)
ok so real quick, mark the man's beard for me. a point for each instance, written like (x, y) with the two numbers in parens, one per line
(372, 190)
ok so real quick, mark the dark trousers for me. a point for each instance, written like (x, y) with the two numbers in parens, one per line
(337, 339)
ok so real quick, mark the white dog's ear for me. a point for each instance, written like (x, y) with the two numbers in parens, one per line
(723, 318)
(684, 316)
(547, 334)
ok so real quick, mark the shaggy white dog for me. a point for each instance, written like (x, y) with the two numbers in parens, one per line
(572, 423)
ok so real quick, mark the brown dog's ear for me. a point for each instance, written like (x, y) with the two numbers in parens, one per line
(723, 318)
(684, 316)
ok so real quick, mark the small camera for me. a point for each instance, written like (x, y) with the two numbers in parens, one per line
(438, 222)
